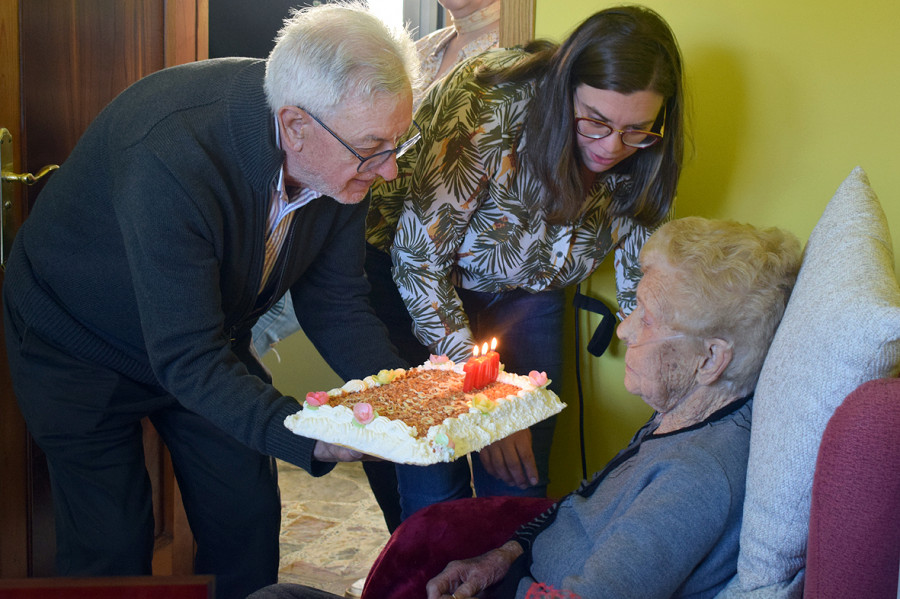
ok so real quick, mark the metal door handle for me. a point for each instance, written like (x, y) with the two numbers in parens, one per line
(7, 226)
(28, 178)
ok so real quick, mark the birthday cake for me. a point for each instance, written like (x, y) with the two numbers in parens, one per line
(422, 415)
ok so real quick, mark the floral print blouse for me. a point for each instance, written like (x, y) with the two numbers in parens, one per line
(464, 211)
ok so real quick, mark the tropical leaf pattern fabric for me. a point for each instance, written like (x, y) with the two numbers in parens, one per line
(465, 212)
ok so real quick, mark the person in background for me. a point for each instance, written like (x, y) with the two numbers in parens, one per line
(534, 165)
(194, 201)
(662, 519)
(475, 28)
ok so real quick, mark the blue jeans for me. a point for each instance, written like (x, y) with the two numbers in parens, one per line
(529, 329)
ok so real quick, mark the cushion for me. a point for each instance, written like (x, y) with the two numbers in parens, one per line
(841, 328)
(854, 523)
(440, 533)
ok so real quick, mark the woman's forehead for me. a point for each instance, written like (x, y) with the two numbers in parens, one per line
(654, 291)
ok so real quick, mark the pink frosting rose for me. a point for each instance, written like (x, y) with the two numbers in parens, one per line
(538, 379)
(317, 398)
(438, 359)
(363, 412)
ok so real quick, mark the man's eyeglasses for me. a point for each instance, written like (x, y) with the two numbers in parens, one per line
(371, 163)
(635, 138)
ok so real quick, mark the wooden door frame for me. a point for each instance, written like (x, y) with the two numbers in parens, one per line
(14, 549)
(516, 22)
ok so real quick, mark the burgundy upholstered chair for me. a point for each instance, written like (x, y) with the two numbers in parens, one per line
(854, 525)
(440, 533)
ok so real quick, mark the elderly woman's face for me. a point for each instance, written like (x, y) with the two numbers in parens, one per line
(660, 362)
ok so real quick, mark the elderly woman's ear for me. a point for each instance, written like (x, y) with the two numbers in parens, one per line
(717, 355)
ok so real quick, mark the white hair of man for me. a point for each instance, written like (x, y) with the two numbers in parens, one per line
(326, 54)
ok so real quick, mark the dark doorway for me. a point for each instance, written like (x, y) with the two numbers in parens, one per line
(241, 28)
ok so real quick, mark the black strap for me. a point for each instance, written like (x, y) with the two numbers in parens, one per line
(604, 331)
(597, 345)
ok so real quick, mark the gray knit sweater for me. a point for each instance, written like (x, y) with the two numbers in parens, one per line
(661, 520)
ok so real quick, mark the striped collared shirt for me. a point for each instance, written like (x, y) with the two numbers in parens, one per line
(281, 212)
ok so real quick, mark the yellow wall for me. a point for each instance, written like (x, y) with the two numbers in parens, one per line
(787, 97)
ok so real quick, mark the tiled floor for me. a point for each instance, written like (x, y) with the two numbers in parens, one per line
(331, 528)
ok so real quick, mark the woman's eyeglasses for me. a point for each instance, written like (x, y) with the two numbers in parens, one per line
(635, 138)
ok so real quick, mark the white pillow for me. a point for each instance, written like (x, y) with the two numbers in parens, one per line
(841, 328)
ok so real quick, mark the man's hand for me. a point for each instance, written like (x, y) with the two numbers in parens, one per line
(511, 460)
(467, 578)
(326, 452)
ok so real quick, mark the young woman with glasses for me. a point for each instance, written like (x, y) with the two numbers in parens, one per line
(534, 164)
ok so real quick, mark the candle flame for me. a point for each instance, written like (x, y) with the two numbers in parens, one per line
(493, 344)
(475, 350)
(484, 348)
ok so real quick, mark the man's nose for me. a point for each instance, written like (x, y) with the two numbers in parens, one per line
(388, 171)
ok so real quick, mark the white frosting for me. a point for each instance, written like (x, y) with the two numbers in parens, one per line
(395, 441)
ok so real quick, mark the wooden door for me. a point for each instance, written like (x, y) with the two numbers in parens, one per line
(61, 62)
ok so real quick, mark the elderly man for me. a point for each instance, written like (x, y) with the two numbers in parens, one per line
(195, 200)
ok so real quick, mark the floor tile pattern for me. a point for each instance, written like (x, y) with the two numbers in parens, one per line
(331, 528)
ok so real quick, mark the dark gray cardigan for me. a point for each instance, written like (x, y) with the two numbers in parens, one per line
(144, 253)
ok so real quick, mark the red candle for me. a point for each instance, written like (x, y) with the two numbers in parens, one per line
(475, 369)
(493, 362)
(485, 372)
(481, 370)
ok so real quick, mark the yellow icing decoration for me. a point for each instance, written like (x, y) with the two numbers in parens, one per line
(482, 403)
(385, 376)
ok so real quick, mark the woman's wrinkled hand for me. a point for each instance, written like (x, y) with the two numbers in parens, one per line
(466, 578)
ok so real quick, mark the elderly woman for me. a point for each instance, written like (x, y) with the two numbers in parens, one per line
(662, 519)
